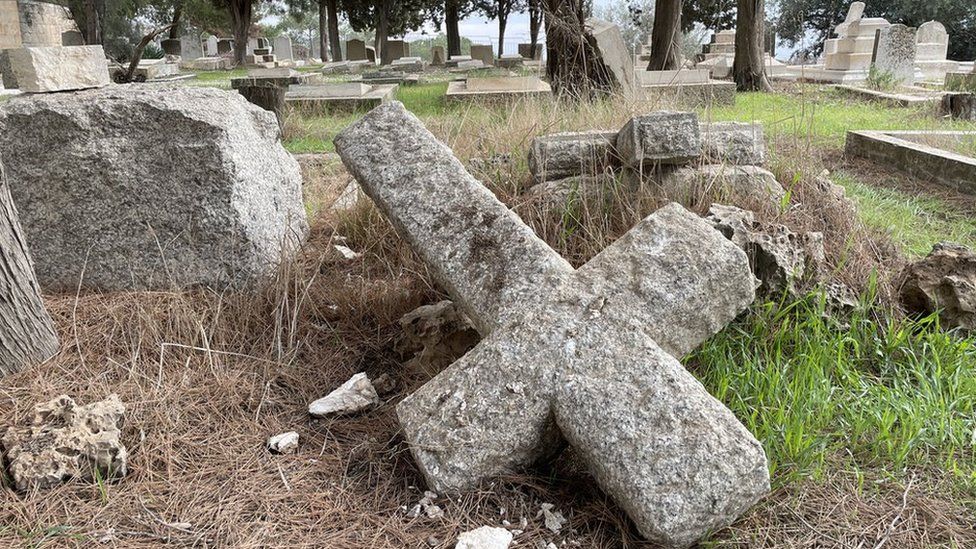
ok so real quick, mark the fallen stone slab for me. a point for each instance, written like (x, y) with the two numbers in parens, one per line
(58, 68)
(353, 396)
(944, 282)
(738, 143)
(565, 349)
(27, 335)
(120, 208)
(561, 155)
(724, 183)
(485, 537)
(65, 441)
(659, 138)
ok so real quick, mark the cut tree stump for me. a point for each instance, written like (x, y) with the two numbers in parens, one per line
(960, 106)
(27, 334)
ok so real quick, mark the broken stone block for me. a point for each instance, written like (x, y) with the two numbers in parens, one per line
(944, 281)
(659, 138)
(738, 143)
(67, 441)
(778, 256)
(434, 336)
(562, 155)
(120, 208)
(568, 354)
(58, 68)
(285, 443)
(486, 537)
(353, 396)
(570, 192)
(720, 182)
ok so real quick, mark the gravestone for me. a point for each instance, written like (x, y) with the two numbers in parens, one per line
(525, 50)
(190, 47)
(484, 53)
(852, 49)
(58, 68)
(932, 47)
(587, 355)
(614, 54)
(211, 48)
(355, 50)
(27, 334)
(282, 47)
(397, 49)
(896, 53)
(117, 209)
(437, 55)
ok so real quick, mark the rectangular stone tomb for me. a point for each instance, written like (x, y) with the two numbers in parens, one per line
(344, 96)
(908, 151)
(502, 87)
(587, 355)
(58, 68)
(689, 87)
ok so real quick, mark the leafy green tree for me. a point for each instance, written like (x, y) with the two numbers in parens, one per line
(390, 18)
(714, 15)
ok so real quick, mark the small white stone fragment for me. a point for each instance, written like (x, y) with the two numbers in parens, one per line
(486, 537)
(285, 443)
(554, 519)
(345, 252)
(355, 395)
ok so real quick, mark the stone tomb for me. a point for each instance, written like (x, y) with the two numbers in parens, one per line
(932, 46)
(118, 209)
(908, 152)
(339, 96)
(282, 47)
(57, 68)
(484, 53)
(355, 50)
(497, 88)
(692, 87)
(848, 56)
(397, 49)
(587, 355)
(895, 54)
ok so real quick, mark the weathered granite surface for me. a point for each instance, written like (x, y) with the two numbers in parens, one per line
(579, 347)
(719, 182)
(739, 143)
(569, 154)
(67, 441)
(121, 207)
(58, 68)
(660, 138)
(434, 336)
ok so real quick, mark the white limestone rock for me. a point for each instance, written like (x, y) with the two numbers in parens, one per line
(58, 68)
(67, 441)
(661, 137)
(353, 396)
(285, 443)
(486, 537)
(739, 143)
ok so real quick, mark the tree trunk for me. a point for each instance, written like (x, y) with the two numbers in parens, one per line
(665, 48)
(88, 16)
(129, 74)
(27, 334)
(451, 17)
(323, 32)
(748, 69)
(382, 29)
(334, 30)
(240, 15)
(572, 63)
(174, 31)
(502, 22)
(535, 21)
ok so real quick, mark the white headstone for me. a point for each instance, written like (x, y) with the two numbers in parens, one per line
(896, 53)
(190, 47)
(282, 47)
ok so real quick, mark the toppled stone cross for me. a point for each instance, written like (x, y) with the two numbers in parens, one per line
(588, 355)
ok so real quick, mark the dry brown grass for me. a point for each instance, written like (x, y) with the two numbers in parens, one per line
(207, 377)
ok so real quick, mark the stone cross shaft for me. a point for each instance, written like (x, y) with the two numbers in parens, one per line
(588, 355)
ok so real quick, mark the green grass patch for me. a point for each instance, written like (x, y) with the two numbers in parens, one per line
(424, 99)
(884, 395)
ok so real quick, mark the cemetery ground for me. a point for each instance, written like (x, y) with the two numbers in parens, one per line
(868, 419)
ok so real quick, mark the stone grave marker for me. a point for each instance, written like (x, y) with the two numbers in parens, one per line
(116, 209)
(483, 52)
(211, 48)
(587, 355)
(437, 55)
(896, 53)
(58, 68)
(282, 47)
(190, 47)
(614, 54)
(397, 49)
(932, 46)
(355, 50)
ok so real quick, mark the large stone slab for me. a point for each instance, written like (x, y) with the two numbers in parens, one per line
(569, 154)
(588, 355)
(739, 143)
(58, 68)
(614, 53)
(119, 207)
(896, 54)
(661, 137)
